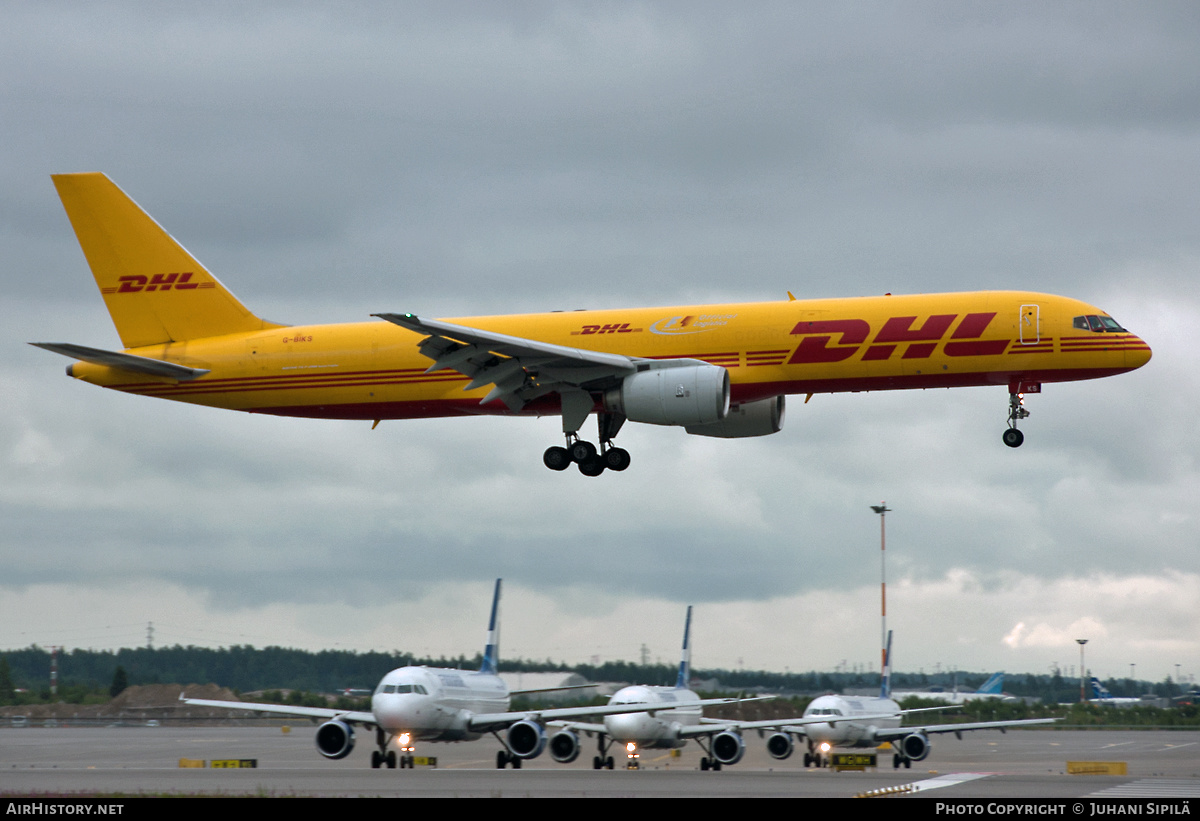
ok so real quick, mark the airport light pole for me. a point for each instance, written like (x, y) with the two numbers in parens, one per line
(1082, 669)
(882, 509)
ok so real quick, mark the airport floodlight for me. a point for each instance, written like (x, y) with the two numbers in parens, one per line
(882, 509)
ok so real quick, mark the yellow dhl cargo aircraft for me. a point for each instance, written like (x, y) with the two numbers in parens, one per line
(715, 370)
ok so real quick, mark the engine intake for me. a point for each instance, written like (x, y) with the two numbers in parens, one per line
(564, 746)
(526, 739)
(335, 739)
(915, 746)
(684, 395)
(728, 747)
(761, 418)
(780, 745)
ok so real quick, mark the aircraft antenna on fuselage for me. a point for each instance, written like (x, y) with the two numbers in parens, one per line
(685, 661)
(885, 686)
(491, 652)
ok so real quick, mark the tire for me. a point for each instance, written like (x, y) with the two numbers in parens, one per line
(1013, 438)
(582, 451)
(616, 459)
(556, 458)
(592, 467)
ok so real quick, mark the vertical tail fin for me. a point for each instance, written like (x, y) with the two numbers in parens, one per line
(491, 651)
(685, 660)
(885, 685)
(993, 686)
(155, 291)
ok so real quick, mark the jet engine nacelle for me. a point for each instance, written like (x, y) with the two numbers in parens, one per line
(780, 745)
(526, 739)
(915, 746)
(761, 418)
(335, 739)
(728, 747)
(564, 746)
(686, 395)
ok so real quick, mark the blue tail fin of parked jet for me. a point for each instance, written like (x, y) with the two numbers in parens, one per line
(491, 652)
(685, 661)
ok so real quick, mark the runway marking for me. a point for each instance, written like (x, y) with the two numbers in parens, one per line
(1153, 788)
(948, 780)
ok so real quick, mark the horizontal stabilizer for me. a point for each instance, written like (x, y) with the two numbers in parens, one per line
(124, 361)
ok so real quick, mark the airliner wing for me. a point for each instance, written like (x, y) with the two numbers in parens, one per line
(711, 726)
(485, 722)
(521, 369)
(929, 729)
(283, 709)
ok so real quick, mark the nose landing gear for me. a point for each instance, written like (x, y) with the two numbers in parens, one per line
(1016, 410)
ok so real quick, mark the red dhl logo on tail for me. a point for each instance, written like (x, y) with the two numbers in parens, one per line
(899, 330)
(136, 283)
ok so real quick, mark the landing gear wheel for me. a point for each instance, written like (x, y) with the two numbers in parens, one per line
(390, 759)
(704, 764)
(591, 467)
(807, 760)
(1013, 438)
(608, 763)
(895, 762)
(616, 459)
(581, 451)
(376, 759)
(597, 763)
(501, 759)
(556, 458)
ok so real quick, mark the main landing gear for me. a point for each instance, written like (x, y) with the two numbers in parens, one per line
(504, 758)
(592, 462)
(899, 761)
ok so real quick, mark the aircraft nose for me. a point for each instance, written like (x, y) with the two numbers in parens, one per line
(1137, 352)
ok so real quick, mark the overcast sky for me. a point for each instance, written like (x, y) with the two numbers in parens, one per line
(330, 162)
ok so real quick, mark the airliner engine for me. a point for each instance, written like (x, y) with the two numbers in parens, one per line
(915, 746)
(564, 746)
(761, 418)
(780, 745)
(686, 395)
(728, 747)
(335, 739)
(526, 739)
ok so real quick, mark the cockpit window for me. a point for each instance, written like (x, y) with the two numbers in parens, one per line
(1098, 324)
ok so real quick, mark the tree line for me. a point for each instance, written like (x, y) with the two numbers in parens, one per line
(245, 668)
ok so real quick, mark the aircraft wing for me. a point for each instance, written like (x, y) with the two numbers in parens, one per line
(523, 369)
(283, 709)
(486, 722)
(929, 729)
(712, 726)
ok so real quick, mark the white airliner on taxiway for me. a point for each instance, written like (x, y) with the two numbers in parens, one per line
(434, 704)
(866, 729)
(679, 719)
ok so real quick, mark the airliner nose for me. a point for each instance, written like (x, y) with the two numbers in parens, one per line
(1137, 353)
